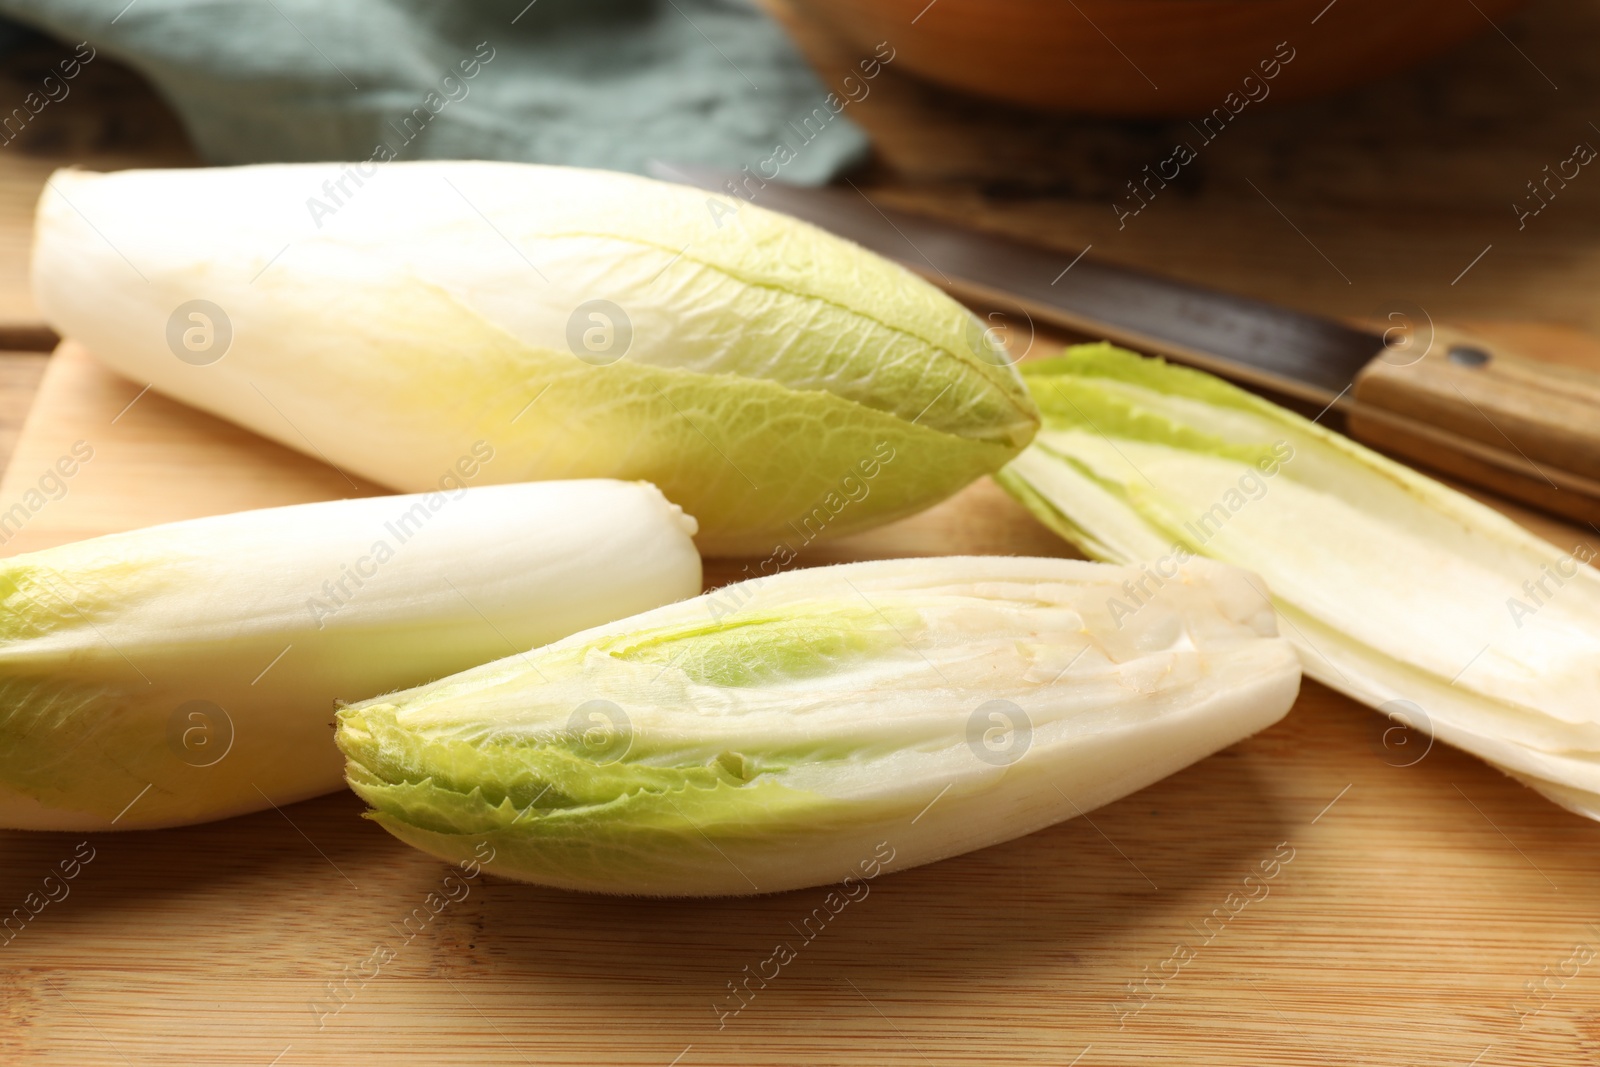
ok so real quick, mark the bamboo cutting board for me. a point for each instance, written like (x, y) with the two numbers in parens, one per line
(1401, 899)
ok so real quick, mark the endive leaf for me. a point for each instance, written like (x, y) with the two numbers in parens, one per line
(189, 671)
(780, 383)
(939, 705)
(1397, 590)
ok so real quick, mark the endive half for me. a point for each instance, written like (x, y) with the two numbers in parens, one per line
(1392, 586)
(189, 672)
(780, 383)
(774, 734)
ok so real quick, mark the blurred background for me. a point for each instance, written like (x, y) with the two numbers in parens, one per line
(1341, 201)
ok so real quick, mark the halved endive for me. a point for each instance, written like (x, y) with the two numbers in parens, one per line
(780, 383)
(799, 729)
(189, 672)
(1398, 591)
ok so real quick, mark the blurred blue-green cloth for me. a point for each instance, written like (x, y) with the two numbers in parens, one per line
(594, 83)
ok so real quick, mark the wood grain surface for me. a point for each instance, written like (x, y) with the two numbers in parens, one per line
(1400, 894)
(1528, 428)
(1548, 411)
(1425, 895)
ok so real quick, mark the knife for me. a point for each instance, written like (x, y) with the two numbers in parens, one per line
(1440, 396)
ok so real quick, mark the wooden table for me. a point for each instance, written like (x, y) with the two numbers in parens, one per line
(1421, 898)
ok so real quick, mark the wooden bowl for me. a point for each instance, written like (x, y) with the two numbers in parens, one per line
(1152, 58)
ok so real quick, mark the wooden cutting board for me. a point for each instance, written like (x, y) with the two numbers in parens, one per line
(1400, 898)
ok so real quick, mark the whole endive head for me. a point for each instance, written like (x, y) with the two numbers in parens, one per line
(188, 672)
(785, 731)
(779, 383)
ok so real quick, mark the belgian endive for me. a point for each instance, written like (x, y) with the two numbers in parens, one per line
(189, 672)
(1398, 591)
(788, 730)
(781, 384)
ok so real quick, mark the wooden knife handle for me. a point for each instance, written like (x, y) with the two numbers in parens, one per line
(1482, 410)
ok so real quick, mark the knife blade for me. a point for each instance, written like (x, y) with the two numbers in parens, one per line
(1451, 400)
